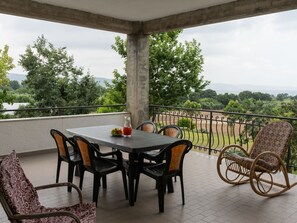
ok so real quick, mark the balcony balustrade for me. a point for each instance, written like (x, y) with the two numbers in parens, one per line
(208, 198)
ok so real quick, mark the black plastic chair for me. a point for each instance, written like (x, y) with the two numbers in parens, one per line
(147, 126)
(169, 130)
(162, 172)
(94, 162)
(71, 157)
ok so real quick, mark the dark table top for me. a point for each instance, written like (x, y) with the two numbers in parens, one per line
(140, 141)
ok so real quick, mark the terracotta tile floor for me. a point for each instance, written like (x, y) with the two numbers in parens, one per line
(208, 198)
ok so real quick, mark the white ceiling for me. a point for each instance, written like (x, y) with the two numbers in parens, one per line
(135, 10)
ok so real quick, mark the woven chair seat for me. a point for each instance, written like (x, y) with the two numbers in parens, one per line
(247, 162)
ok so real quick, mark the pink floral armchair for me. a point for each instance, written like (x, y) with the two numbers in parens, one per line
(20, 199)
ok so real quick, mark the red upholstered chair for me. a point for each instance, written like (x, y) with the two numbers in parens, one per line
(20, 199)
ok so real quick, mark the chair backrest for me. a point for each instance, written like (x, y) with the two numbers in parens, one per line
(175, 154)
(86, 150)
(171, 130)
(61, 142)
(18, 196)
(147, 126)
(274, 137)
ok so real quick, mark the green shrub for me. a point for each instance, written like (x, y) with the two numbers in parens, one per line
(186, 123)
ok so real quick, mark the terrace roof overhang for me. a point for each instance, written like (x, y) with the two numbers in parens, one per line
(138, 19)
(142, 16)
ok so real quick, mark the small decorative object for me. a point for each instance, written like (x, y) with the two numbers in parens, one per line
(127, 129)
(116, 132)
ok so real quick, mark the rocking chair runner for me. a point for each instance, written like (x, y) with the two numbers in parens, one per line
(261, 165)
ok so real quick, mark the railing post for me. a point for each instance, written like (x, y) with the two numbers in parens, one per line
(153, 114)
(210, 133)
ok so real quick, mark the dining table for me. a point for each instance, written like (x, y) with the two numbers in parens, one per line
(140, 141)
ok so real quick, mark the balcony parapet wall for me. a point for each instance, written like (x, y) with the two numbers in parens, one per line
(33, 134)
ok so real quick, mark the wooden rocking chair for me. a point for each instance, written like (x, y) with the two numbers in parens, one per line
(263, 166)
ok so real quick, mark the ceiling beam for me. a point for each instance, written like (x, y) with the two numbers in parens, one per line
(225, 12)
(36, 10)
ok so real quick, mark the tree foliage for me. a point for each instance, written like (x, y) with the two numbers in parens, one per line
(53, 79)
(14, 85)
(174, 69)
(6, 64)
(208, 93)
(255, 95)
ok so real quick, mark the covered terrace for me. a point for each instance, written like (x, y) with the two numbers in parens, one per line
(208, 199)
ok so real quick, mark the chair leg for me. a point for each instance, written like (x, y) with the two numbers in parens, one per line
(58, 169)
(81, 173)
(161, 189)
(77, 169)
(182, 188)
(70, 174)
(136, 185)
(125, 183)
(96, 188)
(104, 182)
(170, 185)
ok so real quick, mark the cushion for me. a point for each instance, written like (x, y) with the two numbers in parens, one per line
(22, 197)
(85, 212)
(19, 193)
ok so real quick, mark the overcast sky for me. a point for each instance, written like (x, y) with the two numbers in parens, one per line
(258, 51)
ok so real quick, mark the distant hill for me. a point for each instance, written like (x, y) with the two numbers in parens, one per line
(101, 80)
(218, 87)
(16, 77)
(21, 77)
(231, 88)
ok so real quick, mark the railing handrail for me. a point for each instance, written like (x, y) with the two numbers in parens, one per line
(212, 130)
(224, 112)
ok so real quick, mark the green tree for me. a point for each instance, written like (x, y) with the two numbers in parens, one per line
(175, 69)
(192, 104)
(211, 103)
(208, 93)
(234, 106)
(282, 96)
(54, 80)
(6, 64)
(14, 85)
(245, 95)
(261, 96)
(115, 94)
(225, 98)
(194, 96)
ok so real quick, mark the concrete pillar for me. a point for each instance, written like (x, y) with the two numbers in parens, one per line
(138, 77)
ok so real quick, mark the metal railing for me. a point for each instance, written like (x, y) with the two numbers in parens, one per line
(210, 130)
